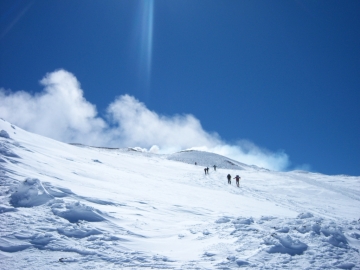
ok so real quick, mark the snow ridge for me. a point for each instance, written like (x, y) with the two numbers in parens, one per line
(207, 159)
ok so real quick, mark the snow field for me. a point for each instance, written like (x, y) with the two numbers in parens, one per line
(77, 207)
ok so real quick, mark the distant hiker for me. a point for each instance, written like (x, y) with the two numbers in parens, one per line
(195, 163)
(237, 180)
(229, 179)
(214, 167)
(207, 170)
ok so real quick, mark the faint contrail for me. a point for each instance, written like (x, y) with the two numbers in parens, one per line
(16, 19)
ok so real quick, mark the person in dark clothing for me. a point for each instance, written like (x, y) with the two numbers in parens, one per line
(205, 170)
(229, 179)
(214, 167)
(237, 180)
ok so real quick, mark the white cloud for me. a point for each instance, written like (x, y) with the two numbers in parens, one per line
(61, 112)
(137, 125)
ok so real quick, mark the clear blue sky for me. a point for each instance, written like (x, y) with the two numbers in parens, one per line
(282, 74)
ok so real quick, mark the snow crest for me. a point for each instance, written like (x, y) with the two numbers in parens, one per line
(76, 211)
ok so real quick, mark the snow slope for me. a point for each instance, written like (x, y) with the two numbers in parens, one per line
(77, 207)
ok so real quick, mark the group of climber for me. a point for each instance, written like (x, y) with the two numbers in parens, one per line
(206, 170)
(237, 177)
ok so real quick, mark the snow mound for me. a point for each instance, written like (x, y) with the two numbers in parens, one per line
(12, 245)
(4, 208)
(75, 211)
(346, 266)
(207, 159)
(222, 220)
(285, 244)
(305, 215)
(4, 134)
(5, 151)
(42, 239)
(29, 193)
(335, 236)
(355, 235)
(283, 230)
(267, 218)
(78, 231)
(241, 263)
(244, 221)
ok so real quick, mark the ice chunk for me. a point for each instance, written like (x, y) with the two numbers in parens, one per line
(30, 193)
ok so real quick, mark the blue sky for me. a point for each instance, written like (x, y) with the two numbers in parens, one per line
(280, 77)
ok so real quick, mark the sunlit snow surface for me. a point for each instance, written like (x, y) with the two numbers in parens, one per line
(76, 207)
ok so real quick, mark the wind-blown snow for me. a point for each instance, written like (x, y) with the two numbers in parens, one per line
(77, 207)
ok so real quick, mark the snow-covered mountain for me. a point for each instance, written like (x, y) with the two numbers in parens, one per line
(68, 206)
